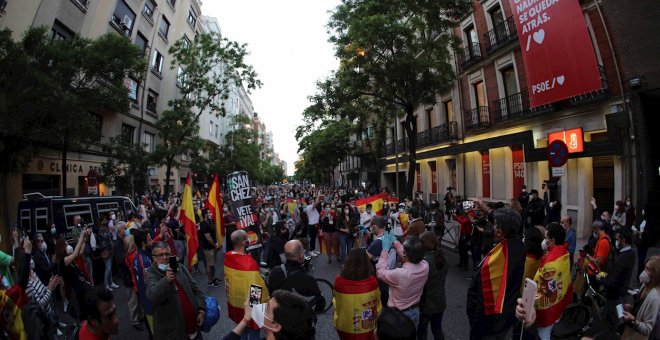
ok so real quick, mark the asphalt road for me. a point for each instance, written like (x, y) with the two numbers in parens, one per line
(455, 323)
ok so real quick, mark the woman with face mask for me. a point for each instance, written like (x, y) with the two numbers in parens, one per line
(640, 317)
(329, 229)
(285, 316)
(645, 235)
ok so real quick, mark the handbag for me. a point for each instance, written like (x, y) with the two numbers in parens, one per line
(631, 334)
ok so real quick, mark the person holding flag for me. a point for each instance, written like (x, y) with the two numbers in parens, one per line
(491, 298)
(553, 279)
(214, 204)
(241, 270)
(187, 219)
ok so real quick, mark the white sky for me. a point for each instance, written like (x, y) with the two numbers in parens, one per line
(287, 41)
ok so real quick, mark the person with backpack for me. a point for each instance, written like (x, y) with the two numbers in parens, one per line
(291, 276)
(599, 261)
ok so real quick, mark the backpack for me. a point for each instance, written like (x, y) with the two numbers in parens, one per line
(36, 322)
(315, 303)
(609, 262)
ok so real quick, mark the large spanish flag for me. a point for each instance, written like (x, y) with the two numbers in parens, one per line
(241, 271)
(555, 290)
(214, 204)
(357, 304)
(494, 278)
(187, 219)
(376, 204)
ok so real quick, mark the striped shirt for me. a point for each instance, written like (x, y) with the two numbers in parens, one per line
(40, 294)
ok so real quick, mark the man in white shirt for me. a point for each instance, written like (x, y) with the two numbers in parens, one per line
(367, 216)
(313, 215)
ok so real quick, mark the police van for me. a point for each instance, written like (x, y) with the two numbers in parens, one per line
(36, 212)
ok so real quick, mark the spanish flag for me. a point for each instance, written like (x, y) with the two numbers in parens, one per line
(494, 278)
(555, 290)
(376, 204)
(241, 271)
(214, 204)
(12, 301)
(357, 304)
(187, 219)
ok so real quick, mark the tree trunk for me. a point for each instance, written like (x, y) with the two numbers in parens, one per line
(167, 176)
(65, 146)
(411, 131)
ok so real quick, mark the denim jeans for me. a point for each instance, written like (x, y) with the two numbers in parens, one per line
(107, 274)
(436, 326)
(413, 314)
(345, 244)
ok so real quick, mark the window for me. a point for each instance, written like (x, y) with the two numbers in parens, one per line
(509, 80)
(25, 219)
(152, 99)
(449, 111)
(429, 117)
(164, 27)
(149, 8)
(472, 38)
(171, 2)
(123, 17)
(496, 16)
(185, 42)
(127, 134)
(132, 86)
(141, 42)
(157, 62)
(479, 95)
(192, 18)
(149, 141)
(41, 219)
(216, 131)
(59, 32)
(211, 128)
(98, 122)
(180, 77)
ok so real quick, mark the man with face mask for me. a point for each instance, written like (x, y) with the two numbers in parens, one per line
(43, 266)
(618, 277)
(241, 270)
(178, 303)
(434, 219)
(285, 316)
(210, 246)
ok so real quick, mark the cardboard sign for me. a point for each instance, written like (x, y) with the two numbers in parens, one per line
(559, 57)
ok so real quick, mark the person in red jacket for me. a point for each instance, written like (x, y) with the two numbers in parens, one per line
(464, 218)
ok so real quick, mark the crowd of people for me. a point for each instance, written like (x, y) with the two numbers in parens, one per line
(392, 268)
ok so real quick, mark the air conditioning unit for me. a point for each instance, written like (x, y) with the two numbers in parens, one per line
(126, 22)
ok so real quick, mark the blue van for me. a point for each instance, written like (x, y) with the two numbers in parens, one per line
(37, 212)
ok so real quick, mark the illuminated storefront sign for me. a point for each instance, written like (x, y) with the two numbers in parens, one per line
(573, 139)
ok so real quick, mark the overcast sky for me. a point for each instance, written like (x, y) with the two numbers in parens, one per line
(288, 48)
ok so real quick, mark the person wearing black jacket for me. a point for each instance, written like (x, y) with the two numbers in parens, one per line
(646, 235)
(618, 278)
(535, 212)
(291, 276)
(43, 266)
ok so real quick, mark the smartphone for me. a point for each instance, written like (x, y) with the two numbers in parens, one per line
(529, 294)
(255, 295)
(468, 205)
(619, 311)
(174, 264)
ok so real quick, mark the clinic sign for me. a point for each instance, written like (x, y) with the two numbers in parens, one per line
(559, 57)
(573, 139)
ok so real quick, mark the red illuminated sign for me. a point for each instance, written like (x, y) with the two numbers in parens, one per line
(434, 179)
(485, 173)
(559, 57)
(572, 138)
(518, 160)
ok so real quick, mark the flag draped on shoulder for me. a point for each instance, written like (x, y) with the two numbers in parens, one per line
(555, 290)
(241, 270)
(187, 219)
(214, 205)
(494, 271)
(357, 304)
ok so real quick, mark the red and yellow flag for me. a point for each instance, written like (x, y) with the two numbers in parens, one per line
(214, 204)
(555, 290)
(187, 219)
(357, 304)
(241, 270)
(494, 278)
(376, 204)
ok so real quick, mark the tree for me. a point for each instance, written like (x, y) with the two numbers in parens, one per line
(53, 92)
(126, 168)
(323, 148)
(212, 66)
(396, 52)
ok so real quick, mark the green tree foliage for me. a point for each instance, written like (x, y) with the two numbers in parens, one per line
(212, 65)
(52, 93)
(322, 149)
(396, 52)
(126, 168)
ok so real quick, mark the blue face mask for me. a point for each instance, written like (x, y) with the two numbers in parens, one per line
(163, 267)
(53, 231)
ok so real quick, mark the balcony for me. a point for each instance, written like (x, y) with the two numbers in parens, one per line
(434, 136)
(501, 35)
(516, 106)
(595, 96)
(477, 118)
(468, 56)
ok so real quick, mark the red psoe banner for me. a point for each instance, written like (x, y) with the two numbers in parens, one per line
(485, 173)
(558, 53)
(518, 159)
(434, 179)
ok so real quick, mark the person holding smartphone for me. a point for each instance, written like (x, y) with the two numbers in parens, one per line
(179, 307)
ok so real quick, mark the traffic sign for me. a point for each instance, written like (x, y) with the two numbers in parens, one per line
(557, 153)
(558, 172)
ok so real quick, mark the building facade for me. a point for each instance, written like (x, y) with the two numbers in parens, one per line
(485, 139)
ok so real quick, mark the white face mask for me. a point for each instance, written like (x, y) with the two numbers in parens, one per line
(31, 264)
(43, 246)
(259, 315)
(112, 217)
(644, 277)
(163, 267)
(400, 210)
(544, 245)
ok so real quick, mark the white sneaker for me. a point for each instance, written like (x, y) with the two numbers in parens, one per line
(108, 288)
(114, 285)
(66, 305)
(316, 252)
(59, 332)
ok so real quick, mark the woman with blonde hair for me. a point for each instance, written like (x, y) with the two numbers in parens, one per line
(640, 317)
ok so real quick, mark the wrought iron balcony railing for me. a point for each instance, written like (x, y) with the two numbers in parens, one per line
(434, 136)
(595, 96)
(469, 55)
(501, 35)
(477, 118)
